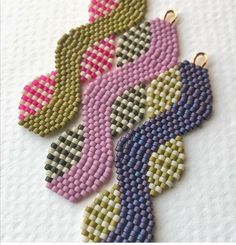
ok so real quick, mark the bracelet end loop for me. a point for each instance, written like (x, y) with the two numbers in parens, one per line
(171, 16)
(201, 59)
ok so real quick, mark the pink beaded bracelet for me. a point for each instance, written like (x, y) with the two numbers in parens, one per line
(95, 165)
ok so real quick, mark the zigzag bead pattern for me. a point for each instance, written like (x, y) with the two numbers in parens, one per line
(100, 8)
(69, 52)
(135, 149)
(133, 43)
(162, 93)
(98, 59)
(96, 162)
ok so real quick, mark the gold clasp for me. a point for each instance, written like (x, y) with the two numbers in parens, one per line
(171, 16)
(201, 59)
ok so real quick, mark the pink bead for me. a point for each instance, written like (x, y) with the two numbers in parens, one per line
(72, 199)
(60, 192)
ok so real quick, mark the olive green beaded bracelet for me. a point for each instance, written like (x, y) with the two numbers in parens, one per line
(70, 49)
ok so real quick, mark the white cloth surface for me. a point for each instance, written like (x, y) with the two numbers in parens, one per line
(202, 205)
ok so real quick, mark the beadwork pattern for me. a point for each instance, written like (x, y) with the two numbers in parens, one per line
(133, 43)
(66, 97)
(162, 93)
(163, 170)
(149, 159)
(100, 8)
(64, 153)
(36, 94)
(165, 166)
(102, 216)
(127, 110)
(135, 148)
(96, 60)
(95, 165)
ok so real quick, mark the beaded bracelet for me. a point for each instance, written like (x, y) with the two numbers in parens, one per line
(164, 167)
(127, 110)
(96, 161)
(69, 54)
(96, 61)
(136, 160)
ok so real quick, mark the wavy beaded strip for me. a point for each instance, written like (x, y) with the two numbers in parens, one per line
(127, 110)
(135, 149)
(69, 55)
(164, 167)
(161, 166)
(96, 60)
(95, 165)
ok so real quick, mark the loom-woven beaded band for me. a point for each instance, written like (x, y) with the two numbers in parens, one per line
(95, 165)
(135, 151)
(69, 55)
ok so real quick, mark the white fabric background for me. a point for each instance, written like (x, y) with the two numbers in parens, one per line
(202, 205)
